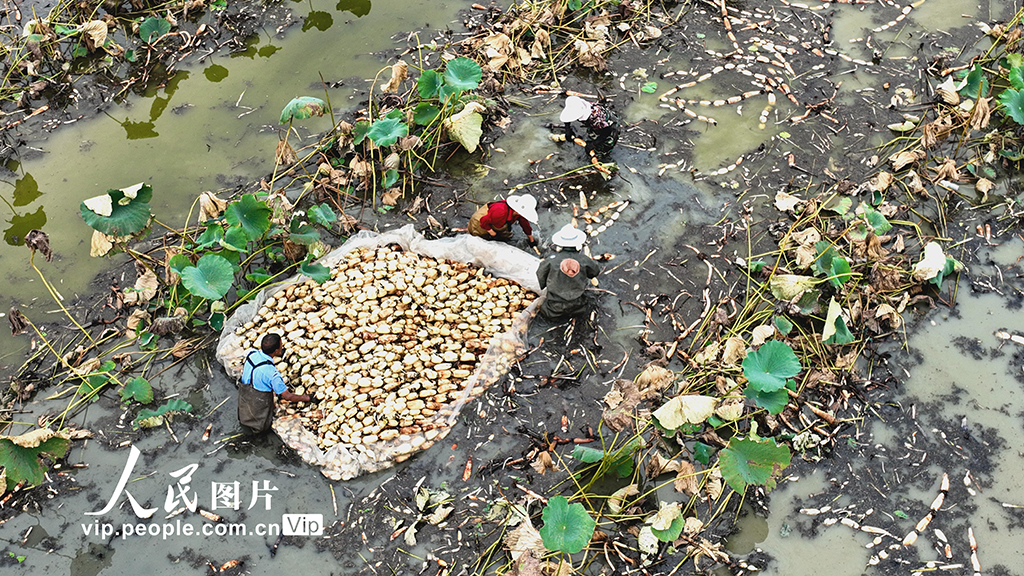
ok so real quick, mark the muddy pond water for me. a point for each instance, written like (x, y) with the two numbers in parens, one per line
(213, 125)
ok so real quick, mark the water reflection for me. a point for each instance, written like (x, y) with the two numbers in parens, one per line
(358, 7)
(147, 129)
(215, 73)
(26, 191)
(253, 49)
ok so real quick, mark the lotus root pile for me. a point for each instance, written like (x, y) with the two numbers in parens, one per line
(386, 343)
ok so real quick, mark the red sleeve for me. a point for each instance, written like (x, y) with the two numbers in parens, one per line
(526, 225)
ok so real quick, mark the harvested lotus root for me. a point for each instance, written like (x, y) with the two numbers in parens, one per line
(386, 342)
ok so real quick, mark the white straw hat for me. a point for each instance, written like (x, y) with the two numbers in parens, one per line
(569, 237)
(525, 205)
(576, 108)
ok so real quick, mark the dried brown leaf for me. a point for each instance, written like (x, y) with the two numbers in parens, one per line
(399, 72)
(659, 465)
(390, 198)
(881, 182)
(981, 114)
(210, 206)
(984, 186)
(19, 324)
(947, 171)
(686, 479)
(37, 240)
(284, 154)
(543, 464)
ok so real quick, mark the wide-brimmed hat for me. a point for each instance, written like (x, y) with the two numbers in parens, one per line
(525, 205)
(576, 108)
(569, 237)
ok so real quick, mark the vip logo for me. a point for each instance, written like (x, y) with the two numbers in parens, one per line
(302, 524)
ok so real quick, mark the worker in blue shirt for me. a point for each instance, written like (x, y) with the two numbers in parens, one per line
(260, 381)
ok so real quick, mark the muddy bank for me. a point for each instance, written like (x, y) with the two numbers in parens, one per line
(676, 238)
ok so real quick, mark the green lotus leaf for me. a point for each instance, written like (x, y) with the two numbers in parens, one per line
(977, 83)
(151, 418)
(1013, 102)
(153, 28)
(774, 402)
(783, 325)
(251, 214)
(235, 239)
(429, 83)
(301, 108)
(702, 452)
(745, 462)
(322, 215)
(359, 131)
(840, 272)
(425, 114)
(119, 212)
(767, 368)
(387, 131)
(137, 389)
(210, 278)
(318, 272)
(179, 262)
(91, 386)
(463, 74)
(567, 527)
(302, 233)
(23, 464)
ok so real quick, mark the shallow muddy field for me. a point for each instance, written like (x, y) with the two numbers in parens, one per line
(937, 396)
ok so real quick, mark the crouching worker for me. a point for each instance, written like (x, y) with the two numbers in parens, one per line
(260, 381)
(494, 220)
(566, 275)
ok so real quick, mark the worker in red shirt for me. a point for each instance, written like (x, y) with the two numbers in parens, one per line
(495, 219)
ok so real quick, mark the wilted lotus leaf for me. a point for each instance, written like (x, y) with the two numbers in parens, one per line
(693, 526)
(914, 184)
(391, 161)
(589, 54)
(399, 72)
(905, 126)
(390, 198)
(95, 33)
(902, 159)
(541, 42)
(981, 114)
(686, 479)
(99, 244)
(948, 92)
(544, 463)
(805, 252)
(948, 171)
(210, 206)
(497, 48)
(622, 401)
(760, 334)
(714, 483)
(790, 286)
(786, 202)
(618, 500)
(734, 351)
(650, 33)
(465, 127)
(37, 240)
(984, 186)
(284, 154)
(730, 409)
(708, 354)
(881, 182)
(932, 262)
(19, 324)
(835, 330)
(654, 379)
(659, 465)
(665, 515)
(888, 313)
(689, 409)
(409, 142)
(137, 317)
(144, 289)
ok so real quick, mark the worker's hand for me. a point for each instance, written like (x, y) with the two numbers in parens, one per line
(310, 398)
(533, 241)
(492, 233)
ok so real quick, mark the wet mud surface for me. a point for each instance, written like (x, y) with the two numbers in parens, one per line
(552, 398)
